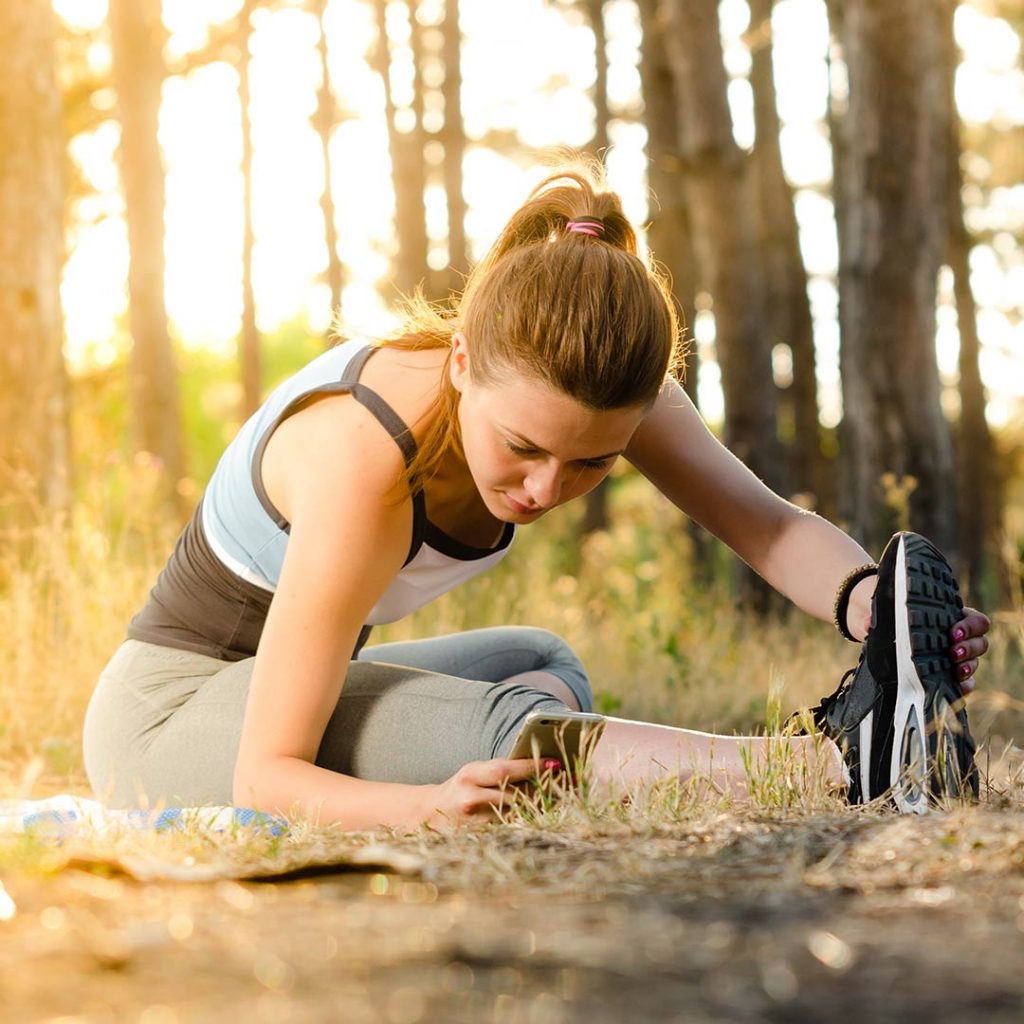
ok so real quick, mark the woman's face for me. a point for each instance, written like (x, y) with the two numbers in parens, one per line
(530, 447)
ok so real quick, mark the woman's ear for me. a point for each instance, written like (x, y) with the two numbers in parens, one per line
(458, 365)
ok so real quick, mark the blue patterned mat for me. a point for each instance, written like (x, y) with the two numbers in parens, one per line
(64, 815)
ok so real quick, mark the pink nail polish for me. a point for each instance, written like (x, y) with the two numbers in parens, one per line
(961, 653)
(965, 670)
(552, 765)
(958, 633)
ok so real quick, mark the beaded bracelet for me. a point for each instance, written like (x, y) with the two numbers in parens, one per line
(842, 601)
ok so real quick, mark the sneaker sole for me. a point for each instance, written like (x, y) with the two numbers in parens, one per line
(866, 731)
(926, 760)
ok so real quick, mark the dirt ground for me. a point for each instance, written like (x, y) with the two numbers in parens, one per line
(731, 917)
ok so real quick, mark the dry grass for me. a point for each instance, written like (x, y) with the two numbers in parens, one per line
(572, 908)
(661, 646)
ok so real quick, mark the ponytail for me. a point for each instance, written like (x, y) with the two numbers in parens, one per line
(564, 296)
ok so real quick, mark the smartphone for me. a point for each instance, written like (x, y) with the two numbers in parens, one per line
(568, 736)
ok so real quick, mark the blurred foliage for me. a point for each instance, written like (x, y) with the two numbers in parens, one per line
(660, 644)
(210, 408)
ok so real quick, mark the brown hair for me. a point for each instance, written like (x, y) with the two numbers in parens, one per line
(590, 317)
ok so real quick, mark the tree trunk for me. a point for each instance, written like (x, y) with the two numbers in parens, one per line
(324, 120)
(725, 245)
(34, 459)
(724, 236)
(595, 512)
(595, 14)
(978, 474)
(137, 38)
(787, 305)
(454, 141)
(405, 144)
(890, 187)
(670, 235)
(249, 343)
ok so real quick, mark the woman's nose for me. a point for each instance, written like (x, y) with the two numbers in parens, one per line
(544, 485)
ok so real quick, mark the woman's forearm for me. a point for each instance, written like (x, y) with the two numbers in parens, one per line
(294, 788)
(807, 562)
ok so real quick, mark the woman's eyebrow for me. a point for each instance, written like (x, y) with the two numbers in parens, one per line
(527, 443)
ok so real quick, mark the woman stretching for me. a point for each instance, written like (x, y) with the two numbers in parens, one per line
(382, 474)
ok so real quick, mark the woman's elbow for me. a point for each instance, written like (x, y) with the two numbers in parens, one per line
(249, 785)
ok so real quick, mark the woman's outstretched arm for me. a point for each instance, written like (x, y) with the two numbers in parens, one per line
(800, 554)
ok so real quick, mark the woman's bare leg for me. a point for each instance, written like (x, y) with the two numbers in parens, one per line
(631, 752)
(634, 752)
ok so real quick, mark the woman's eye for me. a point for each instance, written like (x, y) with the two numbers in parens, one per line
(518, 449)
(592, 464)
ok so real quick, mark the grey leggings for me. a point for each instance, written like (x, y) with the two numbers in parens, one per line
(164, 724)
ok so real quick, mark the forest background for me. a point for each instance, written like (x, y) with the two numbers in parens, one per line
(190, 194)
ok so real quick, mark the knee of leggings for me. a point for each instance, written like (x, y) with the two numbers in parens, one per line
(506, 710)
(562, 661)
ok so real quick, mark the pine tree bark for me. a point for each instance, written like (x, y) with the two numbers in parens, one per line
(977, 474)
(249, 343)
(453, 138)
(34, 457)
(324, 121)
(137, 38)
(723, 233)
(724, 237)
(670, 234)
(405, 144)
(787, 305)
(595, 510)
(891, 188)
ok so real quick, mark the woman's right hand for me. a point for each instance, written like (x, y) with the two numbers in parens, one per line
(475, 791)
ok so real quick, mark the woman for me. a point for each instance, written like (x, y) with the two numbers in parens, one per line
(380, 476)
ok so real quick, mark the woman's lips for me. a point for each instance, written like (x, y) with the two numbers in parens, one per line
(518, 506)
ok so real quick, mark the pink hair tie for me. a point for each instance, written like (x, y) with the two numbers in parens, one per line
(593, 226)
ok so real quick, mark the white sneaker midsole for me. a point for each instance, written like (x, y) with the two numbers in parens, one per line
(864, 750)
(910, 697)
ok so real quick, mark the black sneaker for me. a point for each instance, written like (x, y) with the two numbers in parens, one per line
(899, 716)
(849, 717)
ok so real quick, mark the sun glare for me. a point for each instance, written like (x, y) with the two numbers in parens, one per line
(544, 99)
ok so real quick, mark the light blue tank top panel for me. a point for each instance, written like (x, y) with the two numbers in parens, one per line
(249, 536)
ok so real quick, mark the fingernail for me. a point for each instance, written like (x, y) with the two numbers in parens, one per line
(960, 653)
(958, 633)
(965, 670)
(551, 764)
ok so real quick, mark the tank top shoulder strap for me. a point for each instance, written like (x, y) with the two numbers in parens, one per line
(382, 412)
(348, 383)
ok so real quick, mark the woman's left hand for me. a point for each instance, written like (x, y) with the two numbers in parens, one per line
(967, 644)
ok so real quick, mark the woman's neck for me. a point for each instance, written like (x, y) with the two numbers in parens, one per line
(454, 504)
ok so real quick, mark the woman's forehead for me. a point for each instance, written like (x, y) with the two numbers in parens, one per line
(550, 419)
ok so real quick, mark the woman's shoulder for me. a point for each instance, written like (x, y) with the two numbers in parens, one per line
(407, 380)
(334, 441)
(332, 453)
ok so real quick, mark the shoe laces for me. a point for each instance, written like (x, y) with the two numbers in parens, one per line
(820, 711)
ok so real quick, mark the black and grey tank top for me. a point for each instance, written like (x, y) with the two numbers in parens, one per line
(215, 591)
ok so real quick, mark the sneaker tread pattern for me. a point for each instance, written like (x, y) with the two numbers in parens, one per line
(934, 605)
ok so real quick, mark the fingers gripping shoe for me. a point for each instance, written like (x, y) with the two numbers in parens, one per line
(898, 716)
